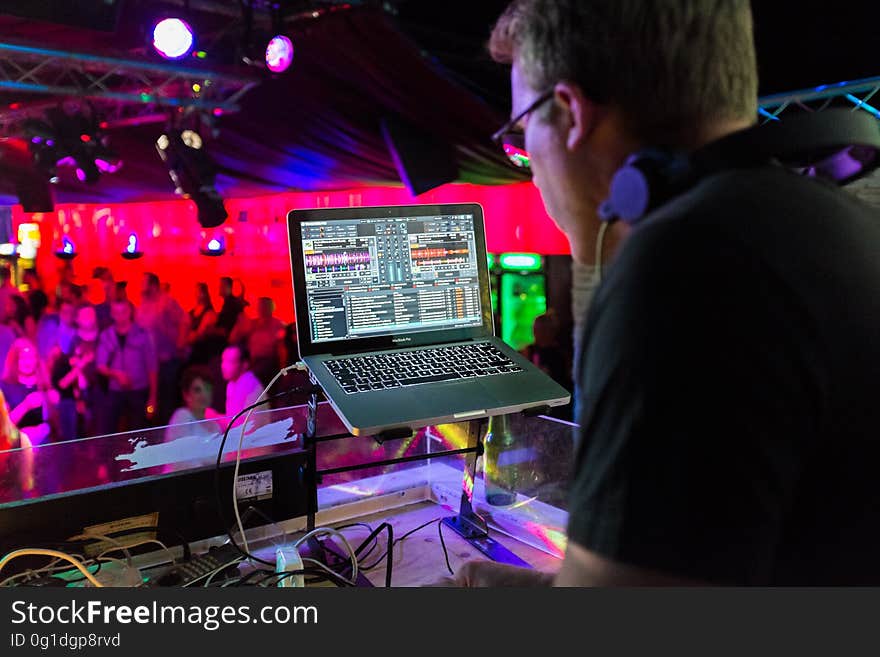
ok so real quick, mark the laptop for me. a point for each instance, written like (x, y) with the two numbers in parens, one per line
(394, 318)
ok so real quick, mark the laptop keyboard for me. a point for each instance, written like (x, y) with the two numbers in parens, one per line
(429, 365)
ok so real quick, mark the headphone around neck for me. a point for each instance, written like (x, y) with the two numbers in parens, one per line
(839, 145)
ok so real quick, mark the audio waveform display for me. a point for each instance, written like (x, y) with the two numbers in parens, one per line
(336, 259)
(433, 254)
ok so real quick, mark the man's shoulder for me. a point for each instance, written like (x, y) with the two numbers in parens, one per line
(251, 381)
(752, 195)
(181, 415)
(751, 212)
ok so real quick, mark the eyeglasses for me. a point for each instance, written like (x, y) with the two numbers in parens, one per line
(512, 139)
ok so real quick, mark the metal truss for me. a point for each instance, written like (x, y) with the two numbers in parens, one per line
(125, 91)
(857, 93)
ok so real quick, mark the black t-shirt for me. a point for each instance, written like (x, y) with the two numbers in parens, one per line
(61, 367)
(229, 312)
(121, 338)
(15, 394)
(728, 392)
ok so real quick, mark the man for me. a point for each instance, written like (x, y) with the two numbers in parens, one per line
(189, 419)
(263, 336)
(242, 387)
(165, 321)
(231, 309)
(57, 330)
(726, 382)
(108, 286)
(36, 297)
(127, 357)
(7, 288)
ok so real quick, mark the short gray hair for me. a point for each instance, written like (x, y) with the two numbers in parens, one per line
(670, 66)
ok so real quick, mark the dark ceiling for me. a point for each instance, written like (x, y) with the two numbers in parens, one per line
(317, 126)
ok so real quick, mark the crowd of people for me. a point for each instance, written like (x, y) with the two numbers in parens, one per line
(75, 369)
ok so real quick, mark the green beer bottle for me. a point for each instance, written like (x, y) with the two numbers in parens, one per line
(500, 473)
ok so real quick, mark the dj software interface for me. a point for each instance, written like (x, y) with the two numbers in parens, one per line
(368, 277)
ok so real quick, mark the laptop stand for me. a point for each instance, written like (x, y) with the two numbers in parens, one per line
(468, 524)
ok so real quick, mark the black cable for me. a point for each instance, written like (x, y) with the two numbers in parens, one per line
(298, 390)
(390, 564)
(343, 557)
(337, 579)
(83, 579)
(413, 531)
(443, 543)
(372, 537)
(408, 534)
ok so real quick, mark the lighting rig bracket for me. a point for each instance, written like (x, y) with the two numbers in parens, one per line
(127, 91)
(858, 93)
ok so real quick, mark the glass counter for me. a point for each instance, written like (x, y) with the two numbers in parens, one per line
(71, 469)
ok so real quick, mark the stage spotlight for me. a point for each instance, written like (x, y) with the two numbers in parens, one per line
(131, 251)
(279, 54)
(193, 173)
(172, 38)
(67, 250)
(70, 136)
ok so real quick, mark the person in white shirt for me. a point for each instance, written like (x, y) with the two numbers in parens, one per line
(195, 417)
(242, 386)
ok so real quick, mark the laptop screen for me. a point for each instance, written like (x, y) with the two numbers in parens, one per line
(369, 277)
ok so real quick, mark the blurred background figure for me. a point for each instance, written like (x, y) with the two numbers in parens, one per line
(76, 378)
(57, 330)
(108, 286)
(16, 468)
(230, 310)
(196, 388)
(36, 295)
(202, 340)
(165, 321)
(264, 337)
(7, 289)
(546, 351)
(242, 386)
(32, 401)
(127, 357)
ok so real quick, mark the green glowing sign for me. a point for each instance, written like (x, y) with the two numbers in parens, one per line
(521, 261)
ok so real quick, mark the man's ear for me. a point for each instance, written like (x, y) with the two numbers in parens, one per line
(578, 113)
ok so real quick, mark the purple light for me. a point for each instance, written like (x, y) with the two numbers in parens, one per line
(279, 54)
(80, 175)
(172, 38)
(50, 143)
(66, 161)
(36, 140)
(107, 167)
(67, 245)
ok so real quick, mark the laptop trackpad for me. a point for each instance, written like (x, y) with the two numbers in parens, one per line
(475, 397)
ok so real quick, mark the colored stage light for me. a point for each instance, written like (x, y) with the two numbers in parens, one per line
(214, 246)
(172, 38)
(279, 54)
(67, 250)
(193, 173)
(131, 251)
